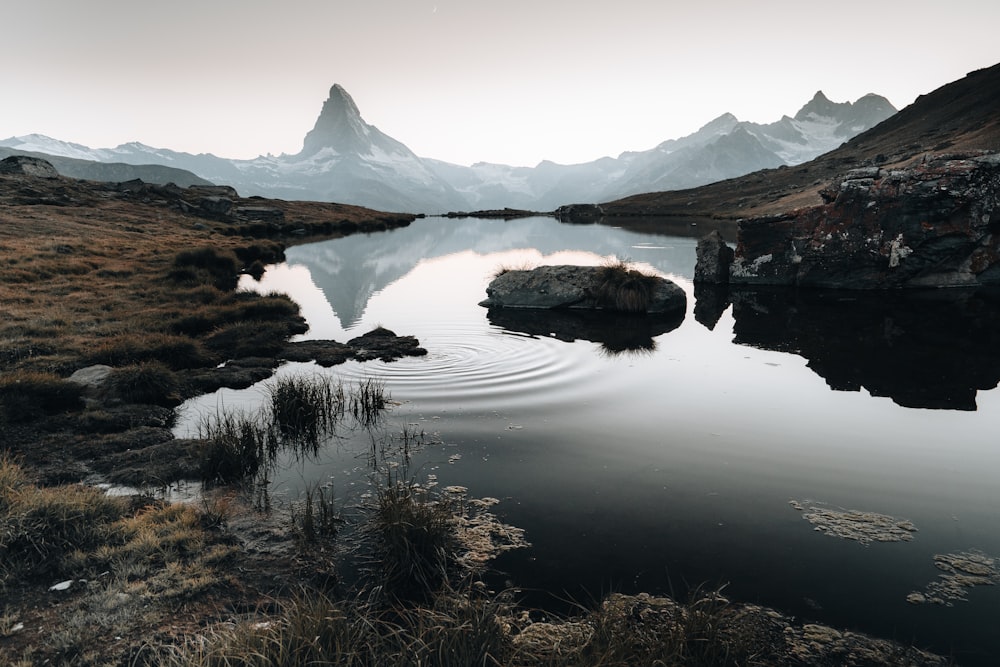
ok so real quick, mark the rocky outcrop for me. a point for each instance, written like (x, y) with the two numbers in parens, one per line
(714, 259)
(932, 224)
(611, 288)
(28, 166)
(579, 213)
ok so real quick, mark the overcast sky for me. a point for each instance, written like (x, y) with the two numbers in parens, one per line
(511, 81)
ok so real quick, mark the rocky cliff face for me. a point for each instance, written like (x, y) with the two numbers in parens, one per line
(931, 224)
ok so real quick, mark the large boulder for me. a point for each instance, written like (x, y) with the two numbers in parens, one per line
(931, 224)
(613, 288)
(28, 166)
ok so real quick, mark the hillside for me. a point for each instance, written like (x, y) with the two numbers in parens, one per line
(112, 172)
(960, 116)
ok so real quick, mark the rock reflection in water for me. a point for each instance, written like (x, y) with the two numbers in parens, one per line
(922, 349)
(615, 332)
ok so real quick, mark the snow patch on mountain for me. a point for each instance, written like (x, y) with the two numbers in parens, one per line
(345, 159)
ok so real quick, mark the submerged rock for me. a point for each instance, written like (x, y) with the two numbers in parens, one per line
(862, 527)
(610, 288)
(962, 572)
(745, 633)
(931, 224)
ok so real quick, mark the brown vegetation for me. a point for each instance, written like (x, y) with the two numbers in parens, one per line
(89, 275)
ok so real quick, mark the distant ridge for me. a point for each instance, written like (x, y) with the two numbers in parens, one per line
(960, 116)
(344, 159)
(112, 171)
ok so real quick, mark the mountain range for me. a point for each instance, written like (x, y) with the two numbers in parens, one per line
(347, 160)
(959, 117)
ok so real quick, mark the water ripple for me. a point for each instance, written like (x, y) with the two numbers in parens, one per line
(476, 364)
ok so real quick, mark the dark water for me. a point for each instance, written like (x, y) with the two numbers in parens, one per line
(675, 464)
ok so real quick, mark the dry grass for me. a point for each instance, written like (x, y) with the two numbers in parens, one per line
(27, 395)
(119, 556)
(103, 278)
(624, 289)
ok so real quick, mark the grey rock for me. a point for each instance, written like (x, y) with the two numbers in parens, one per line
(263, 213)
(567, 286)
(91, 377)
(714, 258)
(216, 205)
(28, 166)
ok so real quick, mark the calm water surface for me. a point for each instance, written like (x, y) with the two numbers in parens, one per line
(664, 468)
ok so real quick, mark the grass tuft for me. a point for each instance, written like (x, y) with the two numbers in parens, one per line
(625, 289)
(149, 382)
(177, 352)
(235, 447)
(306, 409)
(411, 539)
(316, 517)
(27, 395)
(40, 527)
(368, 401)
(206, 266)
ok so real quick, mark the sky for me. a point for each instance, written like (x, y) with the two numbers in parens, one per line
(511, 81)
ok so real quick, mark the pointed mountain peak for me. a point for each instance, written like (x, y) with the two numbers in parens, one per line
(821, 106)
(724, 123)
(339, 127)
(340, 101)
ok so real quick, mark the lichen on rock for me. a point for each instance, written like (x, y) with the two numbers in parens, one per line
(862, 527)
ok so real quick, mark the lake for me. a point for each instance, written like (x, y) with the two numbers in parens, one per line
(723, 449)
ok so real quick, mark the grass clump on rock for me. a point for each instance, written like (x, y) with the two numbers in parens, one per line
(623, 288)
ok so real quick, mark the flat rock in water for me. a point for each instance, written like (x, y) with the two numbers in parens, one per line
(614, 289)
(379, 343)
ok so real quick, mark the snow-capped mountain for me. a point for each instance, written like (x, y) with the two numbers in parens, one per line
(345, 159)
(724, 148)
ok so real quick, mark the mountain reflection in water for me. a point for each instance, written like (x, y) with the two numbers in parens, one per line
(923, 349)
